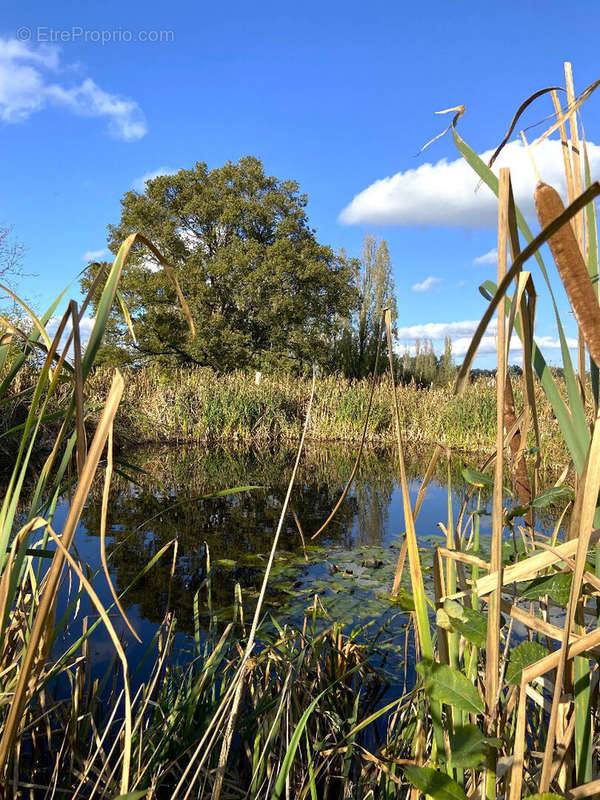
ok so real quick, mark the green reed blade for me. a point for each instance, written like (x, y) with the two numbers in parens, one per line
(486, 174)
(576, 438)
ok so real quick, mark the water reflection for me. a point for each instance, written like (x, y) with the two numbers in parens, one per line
(165, 503)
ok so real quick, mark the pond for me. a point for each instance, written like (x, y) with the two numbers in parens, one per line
(162, 495)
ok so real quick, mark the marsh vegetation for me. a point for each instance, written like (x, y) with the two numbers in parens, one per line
(150, 648)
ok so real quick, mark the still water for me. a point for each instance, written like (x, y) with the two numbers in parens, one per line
(164, 495)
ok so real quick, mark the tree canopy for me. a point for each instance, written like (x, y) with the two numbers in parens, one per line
(261, 288)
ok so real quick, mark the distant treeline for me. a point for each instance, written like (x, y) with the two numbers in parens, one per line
(424, 367)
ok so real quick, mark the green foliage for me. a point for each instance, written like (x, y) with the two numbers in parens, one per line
(468, 746)
(446, 368)
(545, 796)
(424, 367)
(261, 289)
(470, 623)
(198, 404)
(476, 478)
(445, 684)
(403, 599)
(553, 495)
(513, 550)
(557, 587)
(433, 783)
(522, 656)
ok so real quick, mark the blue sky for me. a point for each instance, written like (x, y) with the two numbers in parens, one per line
(338, 96)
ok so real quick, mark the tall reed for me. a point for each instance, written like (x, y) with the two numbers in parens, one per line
(520, 718)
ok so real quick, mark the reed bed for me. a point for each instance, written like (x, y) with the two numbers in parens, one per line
(197, 405)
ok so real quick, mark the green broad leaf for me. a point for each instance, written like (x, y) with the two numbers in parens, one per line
(517, 511)
(557, 587)
(443, 621)
(508, 552)
(544, 796)
(477, 478)
(522, 656)
(470, 623)
(444, 684)
(137, 795)
(431, 782)
(468, 746)
(553, 495)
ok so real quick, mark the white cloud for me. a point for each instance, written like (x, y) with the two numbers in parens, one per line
(85, 328)
(28, 85)
(554, 344)
(439, 330)
(139, 184)
(428, 285)
(461, 334)
(86, 325)
(491, 257)
(488, 344)
(13, 49)
(445, 193)
(93, 255)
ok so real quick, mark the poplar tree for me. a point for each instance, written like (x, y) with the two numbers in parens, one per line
(373, 278)
(446, 368)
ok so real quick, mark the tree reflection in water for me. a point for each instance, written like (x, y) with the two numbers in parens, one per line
(238, 527)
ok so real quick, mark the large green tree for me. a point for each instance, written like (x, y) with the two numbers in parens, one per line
(261, 289)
